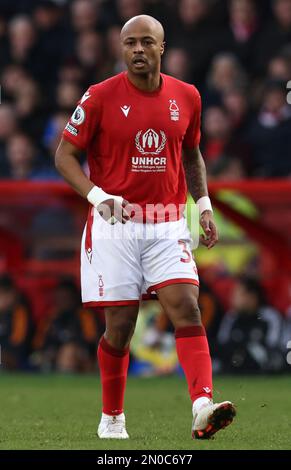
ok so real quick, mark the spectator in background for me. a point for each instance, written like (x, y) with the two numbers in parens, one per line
(225, 74)
(29, 107)
(249, 337)
(66, 340)
(24, 93)
(21, 157)
(85, 16)
(241, 34)
(192, 12)
(85, 20)
(24, 161)
(192, 29)
(12, 76)
(243, 19)
(274, 35)
(223, 154)
(67, 95)
(52, 35)
(24, 48)
(8, 122)
(16, 326)
(113, 48)
(22, 39)
(127, 9)
(177, 63)
(8, 126)
(270, 135)
(279, 68)
(235, 102)
(90, 56)
(72, 72)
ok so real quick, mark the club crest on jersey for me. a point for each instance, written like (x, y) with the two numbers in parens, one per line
(150, 142)
(78, 116)
(174, 110)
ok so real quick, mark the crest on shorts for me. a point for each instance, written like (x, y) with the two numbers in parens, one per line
(150, 142)
(101, 285)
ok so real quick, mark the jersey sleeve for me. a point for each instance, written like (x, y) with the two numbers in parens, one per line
(83, 123)
(193, 133)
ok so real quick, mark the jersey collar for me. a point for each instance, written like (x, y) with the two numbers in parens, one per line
(145, 93)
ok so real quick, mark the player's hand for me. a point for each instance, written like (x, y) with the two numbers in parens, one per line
(112, 211)
(210, 236)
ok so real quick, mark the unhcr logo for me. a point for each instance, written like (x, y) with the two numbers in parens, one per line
(150, 142)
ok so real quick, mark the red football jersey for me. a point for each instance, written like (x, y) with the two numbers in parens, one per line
(134, 140)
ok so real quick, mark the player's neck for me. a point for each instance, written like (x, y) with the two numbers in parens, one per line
(150, 82)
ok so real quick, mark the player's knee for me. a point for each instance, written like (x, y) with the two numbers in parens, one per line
(186, 312)
(190, 312)
(120, 332)
(126, 327)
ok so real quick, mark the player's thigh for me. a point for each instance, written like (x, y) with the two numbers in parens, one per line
(168, 259)
(110, 269)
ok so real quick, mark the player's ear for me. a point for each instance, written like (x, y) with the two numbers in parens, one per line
(162, 48)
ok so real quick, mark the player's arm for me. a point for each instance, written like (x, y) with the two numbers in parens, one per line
(195, 173)
(67, 162)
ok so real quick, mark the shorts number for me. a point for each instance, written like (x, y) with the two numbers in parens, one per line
(188, 258)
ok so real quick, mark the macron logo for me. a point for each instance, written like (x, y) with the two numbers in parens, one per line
(125, 109)
(85, 97)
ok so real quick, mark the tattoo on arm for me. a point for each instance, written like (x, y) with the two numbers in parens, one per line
(195, 173)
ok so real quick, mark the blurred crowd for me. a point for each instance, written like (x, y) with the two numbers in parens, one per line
(237, 52)
(63, 340)
(250, 337)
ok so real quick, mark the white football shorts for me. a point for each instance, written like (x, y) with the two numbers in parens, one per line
(124, 263)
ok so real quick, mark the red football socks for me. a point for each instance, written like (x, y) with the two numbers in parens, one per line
(113, 365)
(194, 357)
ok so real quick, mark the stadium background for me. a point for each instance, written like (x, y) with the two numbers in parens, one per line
(238, 54)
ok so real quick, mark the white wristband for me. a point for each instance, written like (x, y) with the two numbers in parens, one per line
(96, 196)
(204, 204)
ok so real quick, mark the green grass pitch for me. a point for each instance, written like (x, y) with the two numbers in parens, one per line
(62, 412)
